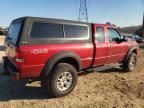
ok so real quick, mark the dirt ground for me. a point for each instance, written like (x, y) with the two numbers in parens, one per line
(104, 88)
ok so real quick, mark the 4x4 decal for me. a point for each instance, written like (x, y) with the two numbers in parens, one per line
(39, 51)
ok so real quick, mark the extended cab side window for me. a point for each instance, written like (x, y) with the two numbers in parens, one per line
(113, 34)
(100, 37)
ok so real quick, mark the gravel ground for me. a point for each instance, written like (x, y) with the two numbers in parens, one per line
(104, 88)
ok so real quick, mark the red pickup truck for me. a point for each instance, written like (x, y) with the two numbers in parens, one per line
(54, 51)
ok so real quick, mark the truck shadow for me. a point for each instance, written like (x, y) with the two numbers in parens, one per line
(17, 90)
(20, 90)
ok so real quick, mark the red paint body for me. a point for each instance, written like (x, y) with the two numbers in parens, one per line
(107, 52)
(34, 63)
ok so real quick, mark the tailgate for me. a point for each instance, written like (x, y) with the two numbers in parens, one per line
(10, 51)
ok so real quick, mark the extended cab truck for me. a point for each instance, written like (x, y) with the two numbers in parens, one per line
(56, 50)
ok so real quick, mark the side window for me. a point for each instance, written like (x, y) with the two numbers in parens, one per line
(75, 31)
(100, 37)
(113, 34)
(46, 30)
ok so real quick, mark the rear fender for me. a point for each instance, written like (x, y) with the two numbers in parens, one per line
(51, 62)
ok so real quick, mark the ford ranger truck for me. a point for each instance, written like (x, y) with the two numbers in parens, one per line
(55, 51)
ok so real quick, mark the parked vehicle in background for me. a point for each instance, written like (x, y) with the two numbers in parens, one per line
(55, 51)
(138, 39)
(3, 32)
(127, 37)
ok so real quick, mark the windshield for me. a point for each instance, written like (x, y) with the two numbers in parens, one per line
(14, 32)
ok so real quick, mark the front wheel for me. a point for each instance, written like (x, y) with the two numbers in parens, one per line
(130, 64)
(62, 80)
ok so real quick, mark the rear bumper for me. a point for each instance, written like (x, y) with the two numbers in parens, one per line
(11, 69)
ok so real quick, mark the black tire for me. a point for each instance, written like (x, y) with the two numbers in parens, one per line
(51, 83)
(130, 64)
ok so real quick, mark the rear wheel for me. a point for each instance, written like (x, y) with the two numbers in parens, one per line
(130, 64)
(62, 80)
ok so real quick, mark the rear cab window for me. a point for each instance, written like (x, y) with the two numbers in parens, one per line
(46, 30)
(13, 32)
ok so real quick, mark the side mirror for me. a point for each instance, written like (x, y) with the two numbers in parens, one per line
(118, 40)
(123, 38)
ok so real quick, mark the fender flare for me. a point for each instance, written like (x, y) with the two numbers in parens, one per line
(61, 55)
(129, 53)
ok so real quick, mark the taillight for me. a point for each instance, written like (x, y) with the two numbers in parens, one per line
(19, 57)
(19, 60)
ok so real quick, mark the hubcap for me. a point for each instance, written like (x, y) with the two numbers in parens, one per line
(64, 81)
(132, 63)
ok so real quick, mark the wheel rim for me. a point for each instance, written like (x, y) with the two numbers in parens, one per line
(64, 81)
(132, 63)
